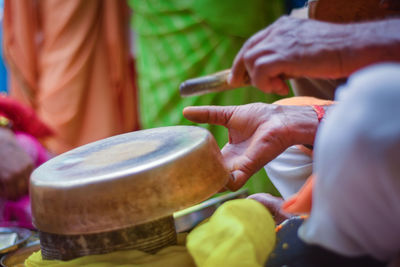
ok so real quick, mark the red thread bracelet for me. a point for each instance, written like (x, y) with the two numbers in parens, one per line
(320, 111)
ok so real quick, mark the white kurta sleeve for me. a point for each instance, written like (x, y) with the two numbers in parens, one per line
(356, 198)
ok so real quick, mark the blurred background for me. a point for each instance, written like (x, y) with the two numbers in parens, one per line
(90, 69)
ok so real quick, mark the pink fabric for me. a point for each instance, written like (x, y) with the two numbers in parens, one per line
(33, 148)
(18, 213)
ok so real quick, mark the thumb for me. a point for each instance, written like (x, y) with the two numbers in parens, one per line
(209, 114)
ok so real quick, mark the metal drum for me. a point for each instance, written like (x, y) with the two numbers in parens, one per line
(120, 192)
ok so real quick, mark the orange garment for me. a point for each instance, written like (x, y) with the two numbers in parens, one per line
(70, 61)
(302, 201)
(303, 101)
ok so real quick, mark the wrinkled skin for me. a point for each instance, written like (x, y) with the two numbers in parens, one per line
(293, 47)
(257, 133)
(15, 167)
(273, 204)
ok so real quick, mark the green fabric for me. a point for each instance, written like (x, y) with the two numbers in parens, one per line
(234, 18)
(181, 39)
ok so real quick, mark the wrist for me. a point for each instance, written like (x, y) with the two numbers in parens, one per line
(320, 111)
(303, 124)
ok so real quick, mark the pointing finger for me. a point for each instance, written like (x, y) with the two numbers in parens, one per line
(209, 114)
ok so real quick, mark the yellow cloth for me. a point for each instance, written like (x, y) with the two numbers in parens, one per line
(240, 233)
(170, 256)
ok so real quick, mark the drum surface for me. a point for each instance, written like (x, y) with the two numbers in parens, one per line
(126, 180)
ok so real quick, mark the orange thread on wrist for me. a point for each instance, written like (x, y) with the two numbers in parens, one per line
(320, 111)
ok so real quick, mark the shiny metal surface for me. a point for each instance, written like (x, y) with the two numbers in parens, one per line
(212, 83)
(126, 180)
(148, 237)
(21, 237)
(18, 257)
(187, 219)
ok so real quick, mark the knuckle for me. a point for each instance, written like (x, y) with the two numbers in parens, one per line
(207, 115)
(226, 118)
(258, 107)
(255, 38)
(258, 64)
(228, 115)
(247, 57)
(262, 68)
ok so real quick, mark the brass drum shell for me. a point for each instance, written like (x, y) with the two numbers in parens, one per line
(126, 180)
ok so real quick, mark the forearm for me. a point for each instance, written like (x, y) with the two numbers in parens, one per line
(315, 49)
(370, 43)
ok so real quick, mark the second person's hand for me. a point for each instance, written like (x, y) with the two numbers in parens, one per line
(257, 133)
(291, 47)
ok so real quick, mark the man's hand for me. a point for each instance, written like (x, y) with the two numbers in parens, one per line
(273, 204)
(15, 166)
(294, 47)
(257, 133)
